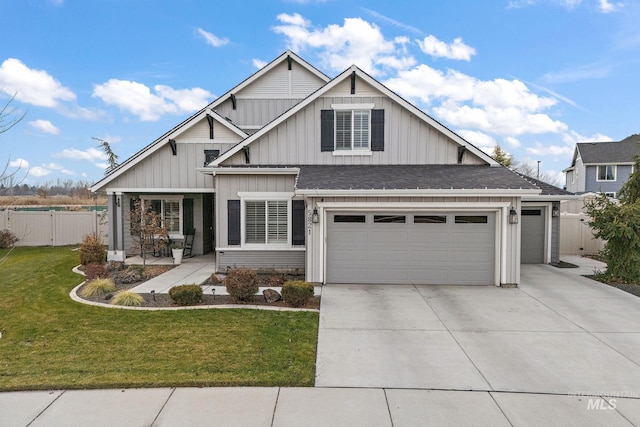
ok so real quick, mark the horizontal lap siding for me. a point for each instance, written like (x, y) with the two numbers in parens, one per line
(277, 260)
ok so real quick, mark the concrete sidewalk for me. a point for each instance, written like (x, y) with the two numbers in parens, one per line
(335, 407)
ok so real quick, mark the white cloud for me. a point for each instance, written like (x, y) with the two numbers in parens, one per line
(481, 140)
(44, 126)
(392, 21)
(259, 63)
(31, 86)
(605, 7)
(540, 149)
(212, 39)
(39, 171)
(503, 107)
(19, 163)
(439, 49)
(138, 99)
(59, 168)
(91, 154)
(339, 46)
(512, 142)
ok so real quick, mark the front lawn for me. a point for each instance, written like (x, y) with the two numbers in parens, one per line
(51, 342)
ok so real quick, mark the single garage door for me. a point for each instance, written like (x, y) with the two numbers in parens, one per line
(411, 248)
(532, 242)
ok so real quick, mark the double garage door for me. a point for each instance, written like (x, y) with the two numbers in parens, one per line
(452, 248)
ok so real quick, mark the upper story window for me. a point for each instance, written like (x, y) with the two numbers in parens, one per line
(352, 129)
(606, 173)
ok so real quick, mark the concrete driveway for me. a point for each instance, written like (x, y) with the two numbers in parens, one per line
(557, 333)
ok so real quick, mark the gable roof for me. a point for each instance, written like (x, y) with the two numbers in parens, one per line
(377, 85)
(609, 152)
(209, 109)
(410, 177)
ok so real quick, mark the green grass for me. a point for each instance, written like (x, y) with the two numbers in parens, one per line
(51, 342)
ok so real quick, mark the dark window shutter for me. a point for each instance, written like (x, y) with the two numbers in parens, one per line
(297, 222)
(132, 207)
(233, 222)
(187, 215)
(326, 130)
(377, 130)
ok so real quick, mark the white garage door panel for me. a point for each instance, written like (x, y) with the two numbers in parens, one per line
(411, 253)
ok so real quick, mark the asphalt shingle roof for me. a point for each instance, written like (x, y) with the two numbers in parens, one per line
(547, 189)
(409, 177)
(610, 152)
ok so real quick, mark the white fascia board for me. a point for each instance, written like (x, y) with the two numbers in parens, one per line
(120, 191)
(249, 171)
(608, 163)
(417, 192)
(549, 198)
(396, 206)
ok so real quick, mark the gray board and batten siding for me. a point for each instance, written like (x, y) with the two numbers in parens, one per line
(407, 139)
(233, 255)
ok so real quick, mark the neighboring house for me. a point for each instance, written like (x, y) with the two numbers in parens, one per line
(340, 178)
(602, 167)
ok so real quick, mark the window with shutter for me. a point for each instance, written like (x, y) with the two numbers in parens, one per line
(170, 210)
(266, 222)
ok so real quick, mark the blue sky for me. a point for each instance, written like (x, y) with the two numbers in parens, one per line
(535, 76)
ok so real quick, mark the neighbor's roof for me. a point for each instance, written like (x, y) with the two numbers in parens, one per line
(610, 152)
(410, 177)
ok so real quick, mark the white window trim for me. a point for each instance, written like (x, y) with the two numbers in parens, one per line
(263, 197)
(180, 198)
(615, 173)
(354, 151)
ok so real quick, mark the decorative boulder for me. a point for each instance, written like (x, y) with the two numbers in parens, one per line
(271, 296)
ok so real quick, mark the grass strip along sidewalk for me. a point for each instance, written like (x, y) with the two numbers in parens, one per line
(51, 342)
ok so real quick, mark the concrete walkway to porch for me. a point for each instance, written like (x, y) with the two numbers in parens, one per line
(192, 270)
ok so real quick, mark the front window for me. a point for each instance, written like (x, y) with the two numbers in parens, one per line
(170, 211)
(266, 222)
(352, 130)
(606, 173)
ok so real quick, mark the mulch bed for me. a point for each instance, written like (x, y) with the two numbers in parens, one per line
(163, 300)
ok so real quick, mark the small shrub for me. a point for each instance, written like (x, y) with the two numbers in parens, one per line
(127, 298)
(273, 280)
(92, 251)
(7, 239)
(98, 287)
(186, 294)
(95, 271)
(297, 292)
(242, 284)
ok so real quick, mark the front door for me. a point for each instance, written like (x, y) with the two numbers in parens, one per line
(208, 222)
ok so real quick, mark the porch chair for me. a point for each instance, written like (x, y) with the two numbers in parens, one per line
(188, 242)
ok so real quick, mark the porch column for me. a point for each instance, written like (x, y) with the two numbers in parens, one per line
(115, 205)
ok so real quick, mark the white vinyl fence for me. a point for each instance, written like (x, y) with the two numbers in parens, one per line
(576, 237)
(52, 228)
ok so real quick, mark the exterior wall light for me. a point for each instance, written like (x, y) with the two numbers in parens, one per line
(513, 216)
(555, 211)
(315, 218)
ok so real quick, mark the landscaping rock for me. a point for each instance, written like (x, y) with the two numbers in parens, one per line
(271, 296)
